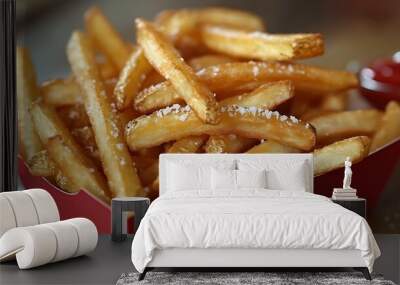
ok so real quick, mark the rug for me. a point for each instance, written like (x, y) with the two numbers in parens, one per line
(243, 278)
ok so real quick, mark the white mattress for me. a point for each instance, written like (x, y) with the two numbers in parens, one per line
(253, 218)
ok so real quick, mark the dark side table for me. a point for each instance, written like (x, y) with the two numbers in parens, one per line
(137, 205)
(357, 205)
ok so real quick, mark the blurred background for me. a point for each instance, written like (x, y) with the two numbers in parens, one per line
(355, 31)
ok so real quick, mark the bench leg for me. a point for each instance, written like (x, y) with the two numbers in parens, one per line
(364, 271)
(143, 274)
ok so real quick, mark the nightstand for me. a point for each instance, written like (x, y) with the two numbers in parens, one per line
(137, 205)
(357, 205)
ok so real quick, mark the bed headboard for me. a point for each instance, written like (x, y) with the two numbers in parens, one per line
(214, 158)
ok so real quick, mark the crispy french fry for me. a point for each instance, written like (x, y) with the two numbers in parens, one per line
(389, 127)
(148, 174)
(177, 122)
(229, 78)
(106, 37)
(75, 166)
(131, 78)
(65, 183)
(270, 146)
(341, 125)
(231, 18)
(41, 165)
(61, 92)
(167, 61)
(229, 144)
(207, 60)
(267, 96)
(262, 46)
(190, 144)
(332, 156)
(48, 126)
(27, 92)
(117, 163)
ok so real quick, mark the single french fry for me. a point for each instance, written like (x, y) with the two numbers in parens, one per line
(229, 78)
(270, 146)
(48, 126)
(267, 96)
(74, 165)
(166, 60)
(41, 165)
(131, 78)
(190, 144)
(262, 46)
(341, 125)
(207, 60)
(177, 122)
(233, 18)
(106, 37)
(389, 127)
(229, 144)
(61, 92)
(117, 163)
(65, 183)
(27, 92)
(332, 156)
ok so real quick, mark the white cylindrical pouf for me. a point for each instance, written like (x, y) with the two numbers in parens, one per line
(7, 218)
(34, 246)
(87, 235)
(23, 208)
(45, 205)
(67, 239)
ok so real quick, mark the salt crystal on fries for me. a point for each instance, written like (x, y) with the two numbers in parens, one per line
(177, 122)
(262, 46)
(27, 92)
(228, 79)
(117, 163)
(331, 157)
(340, 125)
(190, 144)
(207, 60)
(389, 127)
(167, 61)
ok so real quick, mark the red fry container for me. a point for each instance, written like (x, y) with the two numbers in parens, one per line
(370, 177)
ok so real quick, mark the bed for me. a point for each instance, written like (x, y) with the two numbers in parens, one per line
(242, 211)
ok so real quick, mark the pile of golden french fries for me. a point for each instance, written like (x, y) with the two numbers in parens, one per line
(198, 80)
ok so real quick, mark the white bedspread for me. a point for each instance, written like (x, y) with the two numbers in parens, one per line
(250, 219)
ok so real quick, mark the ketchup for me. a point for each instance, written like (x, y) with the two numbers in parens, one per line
(380, 81)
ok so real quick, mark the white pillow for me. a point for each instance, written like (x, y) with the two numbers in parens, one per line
(293, 179)
(223, 179)
(251, 178)
(181, 177)
(282, 174)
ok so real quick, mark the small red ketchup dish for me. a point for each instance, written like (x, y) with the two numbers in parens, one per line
(380, 81)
